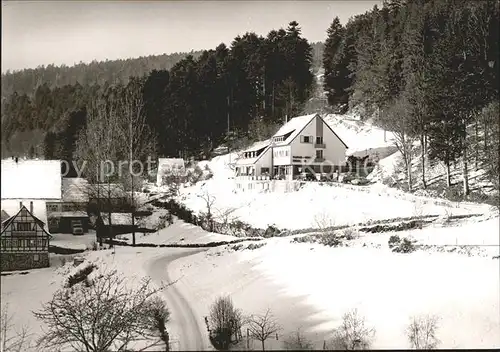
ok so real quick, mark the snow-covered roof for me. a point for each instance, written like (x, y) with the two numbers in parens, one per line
(293, 128)
(257, 146)
(247, 161)
(67, 214)
(31, 179)
(75, 189)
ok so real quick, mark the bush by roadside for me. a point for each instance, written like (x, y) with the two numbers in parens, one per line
(235, 228)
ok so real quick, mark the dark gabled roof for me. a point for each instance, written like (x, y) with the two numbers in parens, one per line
(8, 221)
(5, 216)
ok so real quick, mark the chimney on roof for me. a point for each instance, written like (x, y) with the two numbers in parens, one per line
(286, 118)
(31, 207)
(20, 205)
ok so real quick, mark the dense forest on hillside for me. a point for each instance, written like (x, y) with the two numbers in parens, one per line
(186, 110)
(96, 72)
(103, 72)
(427, 70)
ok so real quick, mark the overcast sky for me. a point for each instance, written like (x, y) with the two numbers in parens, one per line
(62, 32)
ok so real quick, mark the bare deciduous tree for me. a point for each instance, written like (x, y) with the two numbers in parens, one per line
(11, 339)
(136, 138)
(102, 314)
(353, 334)
(421, 332)
(224, 323)
(261, 327)
(298, 342)
(396, 119)
(209, 200)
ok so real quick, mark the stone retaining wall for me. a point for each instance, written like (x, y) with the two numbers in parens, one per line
(23, 261)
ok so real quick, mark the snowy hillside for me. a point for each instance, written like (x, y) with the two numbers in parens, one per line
(362, 138)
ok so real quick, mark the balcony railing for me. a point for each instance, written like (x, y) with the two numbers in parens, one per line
(320, 145)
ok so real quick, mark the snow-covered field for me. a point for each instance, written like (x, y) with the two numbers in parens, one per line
(310, 286)
(321, 283)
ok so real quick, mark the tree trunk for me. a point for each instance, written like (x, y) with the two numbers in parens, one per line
(263, 347)
(272, 102)
(408, 168)
(465, 173)
(448, 176)
(407, 157)
(485, 129)
(422, 143)
(131, 156)
(264, 91)
(109, 213)
(99, 238)
(476, 145)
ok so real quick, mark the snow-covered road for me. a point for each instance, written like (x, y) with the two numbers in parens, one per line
(187, 330)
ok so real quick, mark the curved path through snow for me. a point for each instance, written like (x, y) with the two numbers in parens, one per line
(186, 327)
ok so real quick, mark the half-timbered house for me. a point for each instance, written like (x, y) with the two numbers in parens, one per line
(24, 242)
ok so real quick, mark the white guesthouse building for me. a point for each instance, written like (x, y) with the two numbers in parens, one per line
(304, 144)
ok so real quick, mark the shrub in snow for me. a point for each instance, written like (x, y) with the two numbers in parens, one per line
(81, 275)
(352, 334)
(303, 239)
(195, 175)
(237, 247)
(252, 246)
(398, 245)
(394, 240)
(336, 239)
(422, 332)
(224, 323)
(271, 231)
(330, 239)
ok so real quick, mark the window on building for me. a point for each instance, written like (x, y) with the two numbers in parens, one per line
(52, 207)
(305, 139)
(319, 140)
(23, 226)
(286, 152)
(319, 154)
